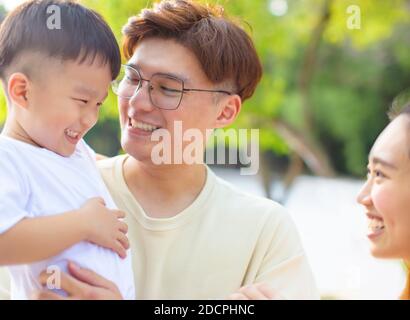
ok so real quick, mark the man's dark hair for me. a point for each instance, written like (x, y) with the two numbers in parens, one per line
(83, 35)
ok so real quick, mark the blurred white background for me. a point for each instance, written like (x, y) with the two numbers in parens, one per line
(10, 4)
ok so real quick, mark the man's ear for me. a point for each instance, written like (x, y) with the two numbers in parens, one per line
(18, 87)
(230, 108)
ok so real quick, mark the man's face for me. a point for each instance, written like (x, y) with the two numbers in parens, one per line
(63, 104)
(197, 109)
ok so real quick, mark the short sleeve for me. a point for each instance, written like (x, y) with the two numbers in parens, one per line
(285, 264)
(14, 194)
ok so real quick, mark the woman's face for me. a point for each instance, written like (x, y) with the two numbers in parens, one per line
(386, 194)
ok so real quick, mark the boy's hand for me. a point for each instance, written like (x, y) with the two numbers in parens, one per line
(103, 226)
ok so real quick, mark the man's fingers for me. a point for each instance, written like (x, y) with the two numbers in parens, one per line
(47, 295)
(253, 293)
(260, 291)
(89, 276)
(237, 296)
(122, 238)
(69, 284)
(267, 290)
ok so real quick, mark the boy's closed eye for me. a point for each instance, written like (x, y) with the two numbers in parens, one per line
(84, 101)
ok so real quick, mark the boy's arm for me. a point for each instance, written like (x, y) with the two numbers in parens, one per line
(36, 239)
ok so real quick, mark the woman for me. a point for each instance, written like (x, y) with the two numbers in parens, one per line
(386, 194)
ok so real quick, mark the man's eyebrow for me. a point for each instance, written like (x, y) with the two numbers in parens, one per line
(175, 75)
(377, 160)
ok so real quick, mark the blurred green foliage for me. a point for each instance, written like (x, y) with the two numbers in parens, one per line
(352, 83)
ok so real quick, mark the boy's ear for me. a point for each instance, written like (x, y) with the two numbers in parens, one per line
(18, 87)
(231, 106)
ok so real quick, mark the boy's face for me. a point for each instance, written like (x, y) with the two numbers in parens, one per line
(63, 104)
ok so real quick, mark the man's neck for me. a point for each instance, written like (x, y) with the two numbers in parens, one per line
(164, 191)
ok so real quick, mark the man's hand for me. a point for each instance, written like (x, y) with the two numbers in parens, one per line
(259, 291)
(82, 284)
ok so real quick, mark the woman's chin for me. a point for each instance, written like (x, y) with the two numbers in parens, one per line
(381, 252)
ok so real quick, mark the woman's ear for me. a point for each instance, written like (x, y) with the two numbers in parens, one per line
(230, 108)
(17, 88)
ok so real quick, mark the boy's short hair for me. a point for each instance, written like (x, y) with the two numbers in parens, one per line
(83, 35)
(224, 50)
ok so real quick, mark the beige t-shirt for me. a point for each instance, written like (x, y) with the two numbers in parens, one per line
(224, 240)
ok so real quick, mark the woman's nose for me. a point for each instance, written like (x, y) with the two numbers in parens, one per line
(364, 197)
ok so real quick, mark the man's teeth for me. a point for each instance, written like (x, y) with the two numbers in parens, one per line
(141, 125)
(375, 225)
(72, 134)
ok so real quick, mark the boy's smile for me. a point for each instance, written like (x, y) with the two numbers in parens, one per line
(73, 136)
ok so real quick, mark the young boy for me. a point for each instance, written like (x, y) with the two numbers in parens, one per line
(54, 206)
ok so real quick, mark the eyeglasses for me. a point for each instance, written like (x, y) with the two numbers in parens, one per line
(165, 91)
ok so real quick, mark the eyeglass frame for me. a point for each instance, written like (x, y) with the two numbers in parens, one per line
(184, 90)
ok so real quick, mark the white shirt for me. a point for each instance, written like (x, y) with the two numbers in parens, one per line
(37, 182)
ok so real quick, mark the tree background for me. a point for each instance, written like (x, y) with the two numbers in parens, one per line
(326, 88)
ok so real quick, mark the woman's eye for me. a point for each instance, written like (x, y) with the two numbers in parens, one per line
(378, 174)
(375, 174)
